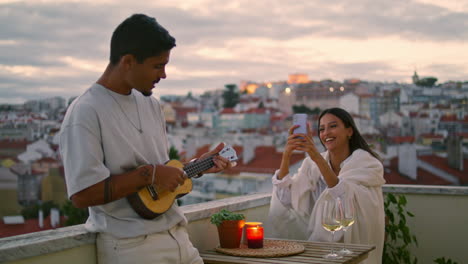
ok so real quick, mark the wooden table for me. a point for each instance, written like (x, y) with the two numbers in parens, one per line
(314, 252)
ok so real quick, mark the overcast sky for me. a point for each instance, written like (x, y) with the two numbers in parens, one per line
(50, 48)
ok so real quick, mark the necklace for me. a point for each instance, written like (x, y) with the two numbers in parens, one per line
(139, 128)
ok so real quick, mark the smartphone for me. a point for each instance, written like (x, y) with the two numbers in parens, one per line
(301, 120)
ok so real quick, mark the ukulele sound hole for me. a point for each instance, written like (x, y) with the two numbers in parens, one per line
(153, 193)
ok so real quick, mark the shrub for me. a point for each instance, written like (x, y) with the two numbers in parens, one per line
(223, 215)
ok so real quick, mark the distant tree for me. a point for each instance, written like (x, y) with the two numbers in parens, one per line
(305, 110)
(206, 94)
(6, 108)
(71, 99)
(75, 216)
(216, 104)
(427, 82)
(230, 96)
(261, 105)
(174, 153)
(32, 211)
(316, 111)
(189, 95)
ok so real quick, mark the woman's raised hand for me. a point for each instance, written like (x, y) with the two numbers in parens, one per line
(306, 142)
(293, 142)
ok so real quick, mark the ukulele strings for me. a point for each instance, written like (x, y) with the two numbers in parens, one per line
(196, 167)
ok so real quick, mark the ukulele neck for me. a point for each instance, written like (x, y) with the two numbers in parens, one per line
(194, 168)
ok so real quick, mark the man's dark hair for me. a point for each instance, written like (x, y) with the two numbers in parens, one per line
(356, 141)
(141, 36)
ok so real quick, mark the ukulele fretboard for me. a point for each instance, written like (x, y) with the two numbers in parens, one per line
(194, 168)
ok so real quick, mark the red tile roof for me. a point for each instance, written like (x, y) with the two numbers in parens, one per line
(46, 160)
(249, 100)
(365, 95)
(36, 172)
(29, 226)
(266, 160)
(392, 176)
(249, 130)
(448, 118)
(228, 111)
(15, 159)
(441, 106)
(442, 163)
(280, 117)
(200, 151)
(183, 111)
(256, 111)
(399, 140)
(433, 136)
(13, 144)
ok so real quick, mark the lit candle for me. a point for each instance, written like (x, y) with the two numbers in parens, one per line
(254, 233)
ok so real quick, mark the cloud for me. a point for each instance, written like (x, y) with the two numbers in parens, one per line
(346, 19)
(61, 46)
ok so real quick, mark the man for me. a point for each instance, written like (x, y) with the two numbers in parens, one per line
(113, 143)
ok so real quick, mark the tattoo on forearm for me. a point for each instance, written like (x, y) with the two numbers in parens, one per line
(146, 172)
(107, 190)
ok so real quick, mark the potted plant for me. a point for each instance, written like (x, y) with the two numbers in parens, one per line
(229, 228)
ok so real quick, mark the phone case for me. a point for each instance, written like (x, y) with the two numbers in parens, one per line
(301, 120)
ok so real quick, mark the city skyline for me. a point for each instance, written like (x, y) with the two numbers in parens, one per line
(58, 48)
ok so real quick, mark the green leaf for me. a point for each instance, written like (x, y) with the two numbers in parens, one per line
(444, 261)
(391, 218)
(74, 215)
(398, 233)
(402, 200)
(223, 215)
(391, 197)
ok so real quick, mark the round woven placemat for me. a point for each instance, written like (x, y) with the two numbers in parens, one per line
(271, 248)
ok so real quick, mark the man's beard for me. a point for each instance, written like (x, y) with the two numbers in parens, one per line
(149, 93)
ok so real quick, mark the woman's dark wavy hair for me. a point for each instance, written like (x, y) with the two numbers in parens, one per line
(356, 141)
(141, 36)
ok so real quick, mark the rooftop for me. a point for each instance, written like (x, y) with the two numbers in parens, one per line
(75, 245)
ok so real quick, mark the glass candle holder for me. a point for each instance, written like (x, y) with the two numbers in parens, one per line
(254, 234)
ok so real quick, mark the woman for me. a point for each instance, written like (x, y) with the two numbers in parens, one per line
(347, 167)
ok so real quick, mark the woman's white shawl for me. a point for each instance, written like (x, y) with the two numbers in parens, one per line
(361, 177)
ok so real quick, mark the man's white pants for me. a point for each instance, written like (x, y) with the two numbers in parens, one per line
(172, 247)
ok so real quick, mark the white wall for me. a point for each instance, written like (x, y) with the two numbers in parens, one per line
(350, 103)
(407, 160)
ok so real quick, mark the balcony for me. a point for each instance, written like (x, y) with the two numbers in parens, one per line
(441, 216)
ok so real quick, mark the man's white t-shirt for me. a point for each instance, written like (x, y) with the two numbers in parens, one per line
(98, 139)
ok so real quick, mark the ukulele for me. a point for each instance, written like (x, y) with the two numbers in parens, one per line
(151, 202)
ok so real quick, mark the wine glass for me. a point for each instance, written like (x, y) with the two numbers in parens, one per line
(331, 221)
(348, 218)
